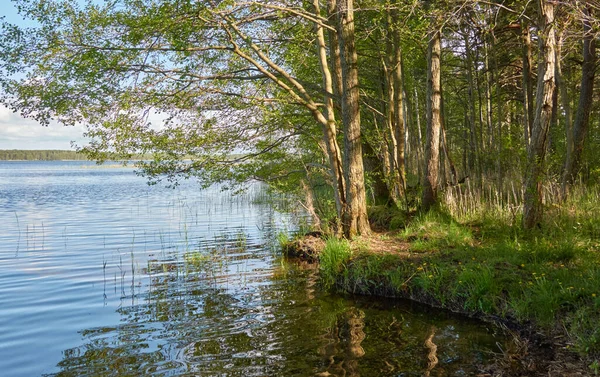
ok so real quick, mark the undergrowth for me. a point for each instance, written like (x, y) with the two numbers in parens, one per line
(333, 258)
(482, 263)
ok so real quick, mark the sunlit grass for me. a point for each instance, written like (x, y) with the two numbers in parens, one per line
(336, 254)
(471, 255)
(435, 231)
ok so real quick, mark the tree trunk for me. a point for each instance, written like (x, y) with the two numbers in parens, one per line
(329, 129)
(391, 136)
(489, 141)
(398, 104)
(565, 100)
(434, 102)
(532, 207)
(335, 54)
(473, 150)
(420, 153)
(394, 110)
(582, 117)
(527, 83)
(355, 220)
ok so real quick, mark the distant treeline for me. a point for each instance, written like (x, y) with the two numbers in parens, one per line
(56, 155)
(40, 155)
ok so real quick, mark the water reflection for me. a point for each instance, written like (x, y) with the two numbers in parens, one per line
(101, 275)
(274, 324)
(343, 348)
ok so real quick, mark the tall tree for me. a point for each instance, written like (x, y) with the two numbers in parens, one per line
(582, 117)
(330, 128)
(532, 208)
(355, 218)
(225, 74)
(434, 119)
(527, 82)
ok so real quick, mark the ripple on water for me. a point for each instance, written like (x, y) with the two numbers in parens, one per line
(102, 275)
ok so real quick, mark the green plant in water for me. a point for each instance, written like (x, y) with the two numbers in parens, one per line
(283, 238)
(336, 254)
(241, 240)
(195, 261)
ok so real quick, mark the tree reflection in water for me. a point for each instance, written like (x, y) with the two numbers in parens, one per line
(268, 319)
(344, 348)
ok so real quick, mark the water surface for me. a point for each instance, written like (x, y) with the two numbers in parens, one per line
(103, 275)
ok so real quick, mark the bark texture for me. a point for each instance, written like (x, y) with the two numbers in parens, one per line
(582, 117)
(434, 122)
(355, 220)
(532, 207)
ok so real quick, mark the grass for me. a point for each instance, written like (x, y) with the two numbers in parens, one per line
(435, 231)
(483, 264)
(333, 258)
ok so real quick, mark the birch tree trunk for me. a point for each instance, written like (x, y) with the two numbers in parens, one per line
(532, 207)
(582, 117)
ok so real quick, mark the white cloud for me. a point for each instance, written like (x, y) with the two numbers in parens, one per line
(17, 132)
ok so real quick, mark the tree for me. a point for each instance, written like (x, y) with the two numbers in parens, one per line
(355, 218)
(434, 119)
(577, 134)
(220, 73)
(532, 208)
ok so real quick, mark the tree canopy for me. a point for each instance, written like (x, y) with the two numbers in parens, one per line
(354, 100)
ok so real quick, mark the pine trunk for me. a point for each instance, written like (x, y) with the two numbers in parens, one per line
(434, 121)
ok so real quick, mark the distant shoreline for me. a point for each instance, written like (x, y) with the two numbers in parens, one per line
(41, 155)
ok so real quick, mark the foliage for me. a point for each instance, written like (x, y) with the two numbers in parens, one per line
(147, 78)
(192, 83)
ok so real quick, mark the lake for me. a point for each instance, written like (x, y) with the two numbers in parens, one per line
(103, 275)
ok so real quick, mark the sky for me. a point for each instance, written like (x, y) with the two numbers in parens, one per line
(19, 133)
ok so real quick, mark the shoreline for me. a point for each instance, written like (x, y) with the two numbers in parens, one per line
(386, 265)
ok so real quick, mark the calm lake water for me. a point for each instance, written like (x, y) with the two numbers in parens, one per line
(103, 275)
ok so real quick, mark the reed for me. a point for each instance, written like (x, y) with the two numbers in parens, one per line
(19, 232)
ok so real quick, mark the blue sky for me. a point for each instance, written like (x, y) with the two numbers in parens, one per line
(19, 133)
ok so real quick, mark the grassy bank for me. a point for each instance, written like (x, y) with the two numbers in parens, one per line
(481, 263)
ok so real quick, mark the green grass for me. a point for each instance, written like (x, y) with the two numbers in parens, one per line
(435, 231)
(484, 264)
(334, 257)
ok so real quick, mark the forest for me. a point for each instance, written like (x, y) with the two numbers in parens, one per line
(409, 99)
(369, 112)
(39, 155)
